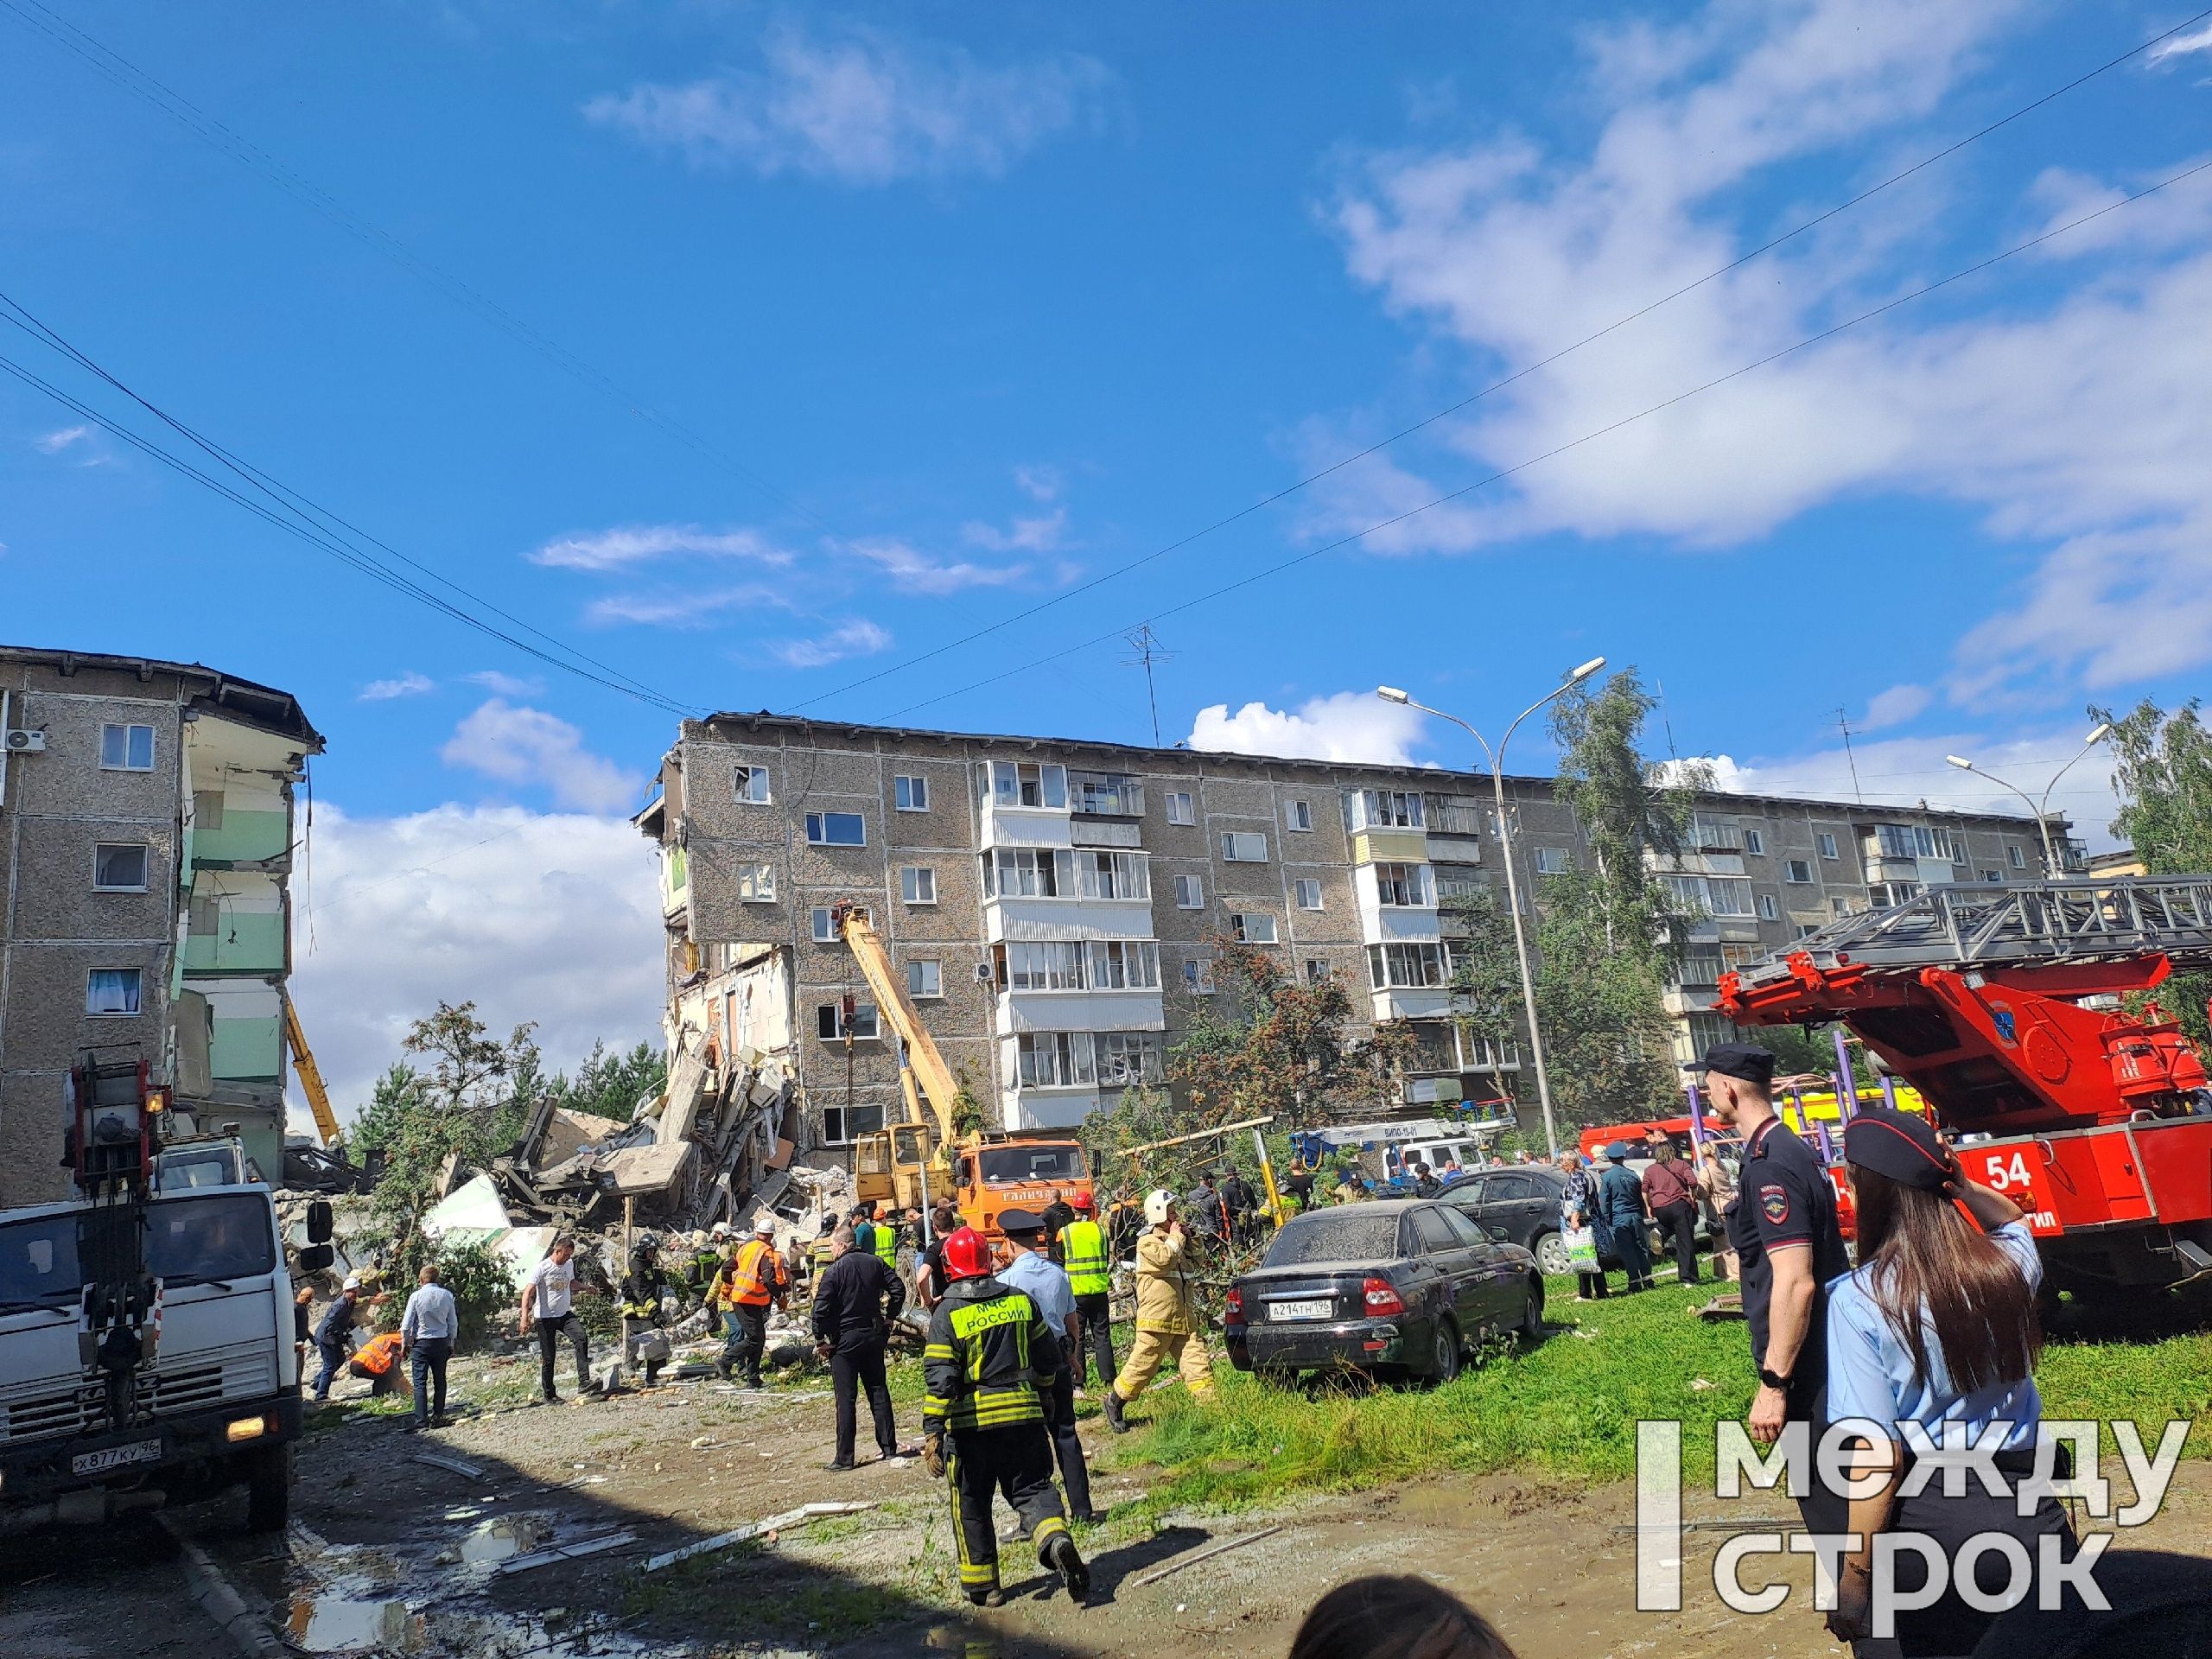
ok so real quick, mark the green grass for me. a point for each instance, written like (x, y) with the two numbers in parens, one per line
(1568, 1408)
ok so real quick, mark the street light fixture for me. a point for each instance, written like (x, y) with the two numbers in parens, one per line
(1496, 759)
(2041, 808)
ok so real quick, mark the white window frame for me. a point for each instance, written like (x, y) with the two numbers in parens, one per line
(1827, 844)
(1996, 876)
(1755, 842)
(1120, 965)
(1555, 861)
(917, 883)
(838, 1131)
(2016, 855)
(1414, 888)
(1307, 890)
(129, 729)
(1298, 816)
(1254, 927)
(1319, 970)
(1182, 806)
(909, 792)
(926, 978)
(130, 986)
(1769, 910)
(1197, 977)
(1048, 784)
(1235, 846)
(1190, 893)
(1113, 1051)
(753, 787)
(145, 865)
(1427, 964)
(865, 1014)
(754, 884)
(817, 828)
(821, 922)
(1791, 865)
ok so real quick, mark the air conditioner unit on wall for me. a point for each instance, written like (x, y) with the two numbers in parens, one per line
(20, 741)
(983, 974)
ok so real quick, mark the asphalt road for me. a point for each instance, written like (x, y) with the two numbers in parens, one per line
(93, 1592)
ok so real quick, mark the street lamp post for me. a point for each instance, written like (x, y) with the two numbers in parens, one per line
(1496, 759)
(2041, 808)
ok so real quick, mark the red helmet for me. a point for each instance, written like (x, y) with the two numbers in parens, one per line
(967, 1255)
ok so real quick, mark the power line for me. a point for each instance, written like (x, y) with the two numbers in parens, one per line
(1312, 554)
(119, 71)
(1520, 374)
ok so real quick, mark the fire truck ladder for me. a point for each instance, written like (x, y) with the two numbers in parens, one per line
(2029, 922)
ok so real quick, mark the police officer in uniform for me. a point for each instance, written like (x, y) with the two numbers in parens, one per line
(983, 1422)
(1082, 1251)
(1783, 1229)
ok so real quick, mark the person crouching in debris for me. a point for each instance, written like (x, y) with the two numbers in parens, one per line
(983, 1419)
(1171, 1319)
(855, 1301)
(548, 1304)
(750, 1282)
(645, 1344)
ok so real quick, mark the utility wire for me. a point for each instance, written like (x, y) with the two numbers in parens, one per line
(12, 311)
(1121, 631)
(119, 70)
(1520, 374)
(306, 531)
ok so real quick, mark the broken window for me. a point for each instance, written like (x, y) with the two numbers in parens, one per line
(1197, 977)
(924, 978)
(918, 884)
(1299, 815)
(1106, 794)
(119, 866)
(1123, 965)
(1318, 971)
(1242, 846)
(842, 1125)
(1180, 808)
(754, 884)
(836, 830)
(126, 748)
(753, 786)
(1023, 783)
(911, 794)
(830, 1023)
(1384, 809)
(113, 990)
(1190, 893)
(1407, 967)
(1253, 927)
(1052, 1060)
(1130, 1056)
(1309, 894)
(1403, 885)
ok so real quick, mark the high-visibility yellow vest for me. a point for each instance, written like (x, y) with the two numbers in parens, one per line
(1083, 1242)
(886, 1241)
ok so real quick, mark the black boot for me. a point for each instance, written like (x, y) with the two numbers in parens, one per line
(1063, 1557)
(1112, 1402)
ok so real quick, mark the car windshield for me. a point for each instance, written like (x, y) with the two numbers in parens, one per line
(1029, 1165)
(38, 1262)
(1348, 1235)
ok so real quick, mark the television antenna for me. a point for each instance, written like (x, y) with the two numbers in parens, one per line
(1146, 644)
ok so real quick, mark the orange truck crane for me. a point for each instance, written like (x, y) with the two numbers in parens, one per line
(931, 1157)
(2021, 1015)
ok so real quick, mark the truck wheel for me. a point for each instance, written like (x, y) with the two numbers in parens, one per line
(269, 1488)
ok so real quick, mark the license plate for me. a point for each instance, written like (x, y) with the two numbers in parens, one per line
(116, 1456)
(1280, 1311)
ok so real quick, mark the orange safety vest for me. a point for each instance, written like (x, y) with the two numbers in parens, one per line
(747, 1284)
(376, 1356)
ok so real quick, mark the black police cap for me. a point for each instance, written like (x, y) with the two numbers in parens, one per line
(1747, 1061)
(1015, 1222)
(1900, 1145)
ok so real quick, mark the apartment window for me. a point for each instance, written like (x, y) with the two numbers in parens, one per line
(126, 748)
(1450, 814)
(1244, 847)
(753, 786)
(1122, 965)
(1020, 872)
(1699, 968)
(1993, 875)
(1108, 875)
(911, 794)
(836, 830)
(1803, 931)
(830, 1025)
(1826, 844)
(1714, 896)
(1197, 977)
(918, 884)
(1300, 814)
(1840, 907)
(1553, 861)
(842, 1125)
(1384, 808)
(924, 978)
(1179, 808)
(113, 990)
(1712, 836)
(1797, 869)
(1309, 894)
(1253, 927)
(754, 884)
(1053, 1059)
(1190, 893)
(679, 870)
(1318, 971)
(825, 925)
(1754, 842)
(1407, 967)
(1128, 1056)
(2016, 855)
(1403, 885)
(1768, 910)
(1106, 794)
(1708, 1029)
(1885, 894)
(1055, 965)
(119, 866)
(1454, 887)
(1023, 783)
(1915, 841)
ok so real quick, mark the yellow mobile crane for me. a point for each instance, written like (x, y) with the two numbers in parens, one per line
(983, 1174)
(326, 1121)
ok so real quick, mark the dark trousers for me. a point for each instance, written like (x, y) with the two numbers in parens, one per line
(549, 1332)
(1590, 1287)
(1950, 1626)
(1067, 1449)
(1016, 1461)
(333, 1355)
(745, 1338)
(427, 1367)
(1097, 1336)
(1633, 1246)
(855, 1366)
(1679, 1222)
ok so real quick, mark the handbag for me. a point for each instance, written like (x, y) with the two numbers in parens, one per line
(1581, 1249)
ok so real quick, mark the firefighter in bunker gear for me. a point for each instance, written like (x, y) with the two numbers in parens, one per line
(983, 1420)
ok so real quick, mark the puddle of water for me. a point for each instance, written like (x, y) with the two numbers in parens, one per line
(509, 1535)
(342, 1624)
(512, 1636)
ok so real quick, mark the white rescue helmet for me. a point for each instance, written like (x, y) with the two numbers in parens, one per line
(1158, 1204)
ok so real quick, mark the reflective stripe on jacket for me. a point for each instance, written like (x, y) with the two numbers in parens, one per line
(1084, 1243)
(755, 1276)
(988, 1349)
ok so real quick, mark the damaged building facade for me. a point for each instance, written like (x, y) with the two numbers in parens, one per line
(147, 828)
(1050, 901)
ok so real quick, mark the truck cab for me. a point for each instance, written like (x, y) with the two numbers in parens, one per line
(213, 1398)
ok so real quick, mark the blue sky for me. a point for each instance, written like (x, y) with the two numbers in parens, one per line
(960, 311)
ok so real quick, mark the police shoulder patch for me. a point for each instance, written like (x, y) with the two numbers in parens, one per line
(1774, 1204)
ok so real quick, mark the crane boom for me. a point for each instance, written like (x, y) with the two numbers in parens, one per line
(326, 1121)
(892, 1002)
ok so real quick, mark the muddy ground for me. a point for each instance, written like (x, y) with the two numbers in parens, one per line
(392, 1553)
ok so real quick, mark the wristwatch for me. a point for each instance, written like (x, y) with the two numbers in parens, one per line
(1773, 1380)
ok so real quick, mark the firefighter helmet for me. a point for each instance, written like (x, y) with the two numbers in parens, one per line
(1159, 1204)
(967, 1256)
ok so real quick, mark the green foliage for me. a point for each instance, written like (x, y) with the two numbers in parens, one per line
(1607, 1036)
(967, 1110)
(609, 1083)
(1142, 1116)
(2162, 768)
(479, 1277)
(1486, 971)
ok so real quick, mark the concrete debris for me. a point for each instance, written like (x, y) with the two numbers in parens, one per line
(569, 1552)
(753, 1530)
(451, 1465)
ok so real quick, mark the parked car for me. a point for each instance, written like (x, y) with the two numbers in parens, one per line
(1521, 1207)
(1400, 1287)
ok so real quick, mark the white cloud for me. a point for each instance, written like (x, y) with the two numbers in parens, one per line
(528, 745)
(53, 443)
(409, 684)
(2070, 417)
(682, 609)
(916, 572)
(1039, 483)
(859, 637)
(863, 109)
(628, 544)
(1041, 533)
(2181, 46)
(1896, 706)
(504, 685)
(550, 917)
(1349, 725)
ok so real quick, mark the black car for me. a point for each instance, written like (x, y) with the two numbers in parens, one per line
(1522, 1205)
(1400, 1287)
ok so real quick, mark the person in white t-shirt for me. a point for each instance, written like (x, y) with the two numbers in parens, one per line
(548, 1301)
